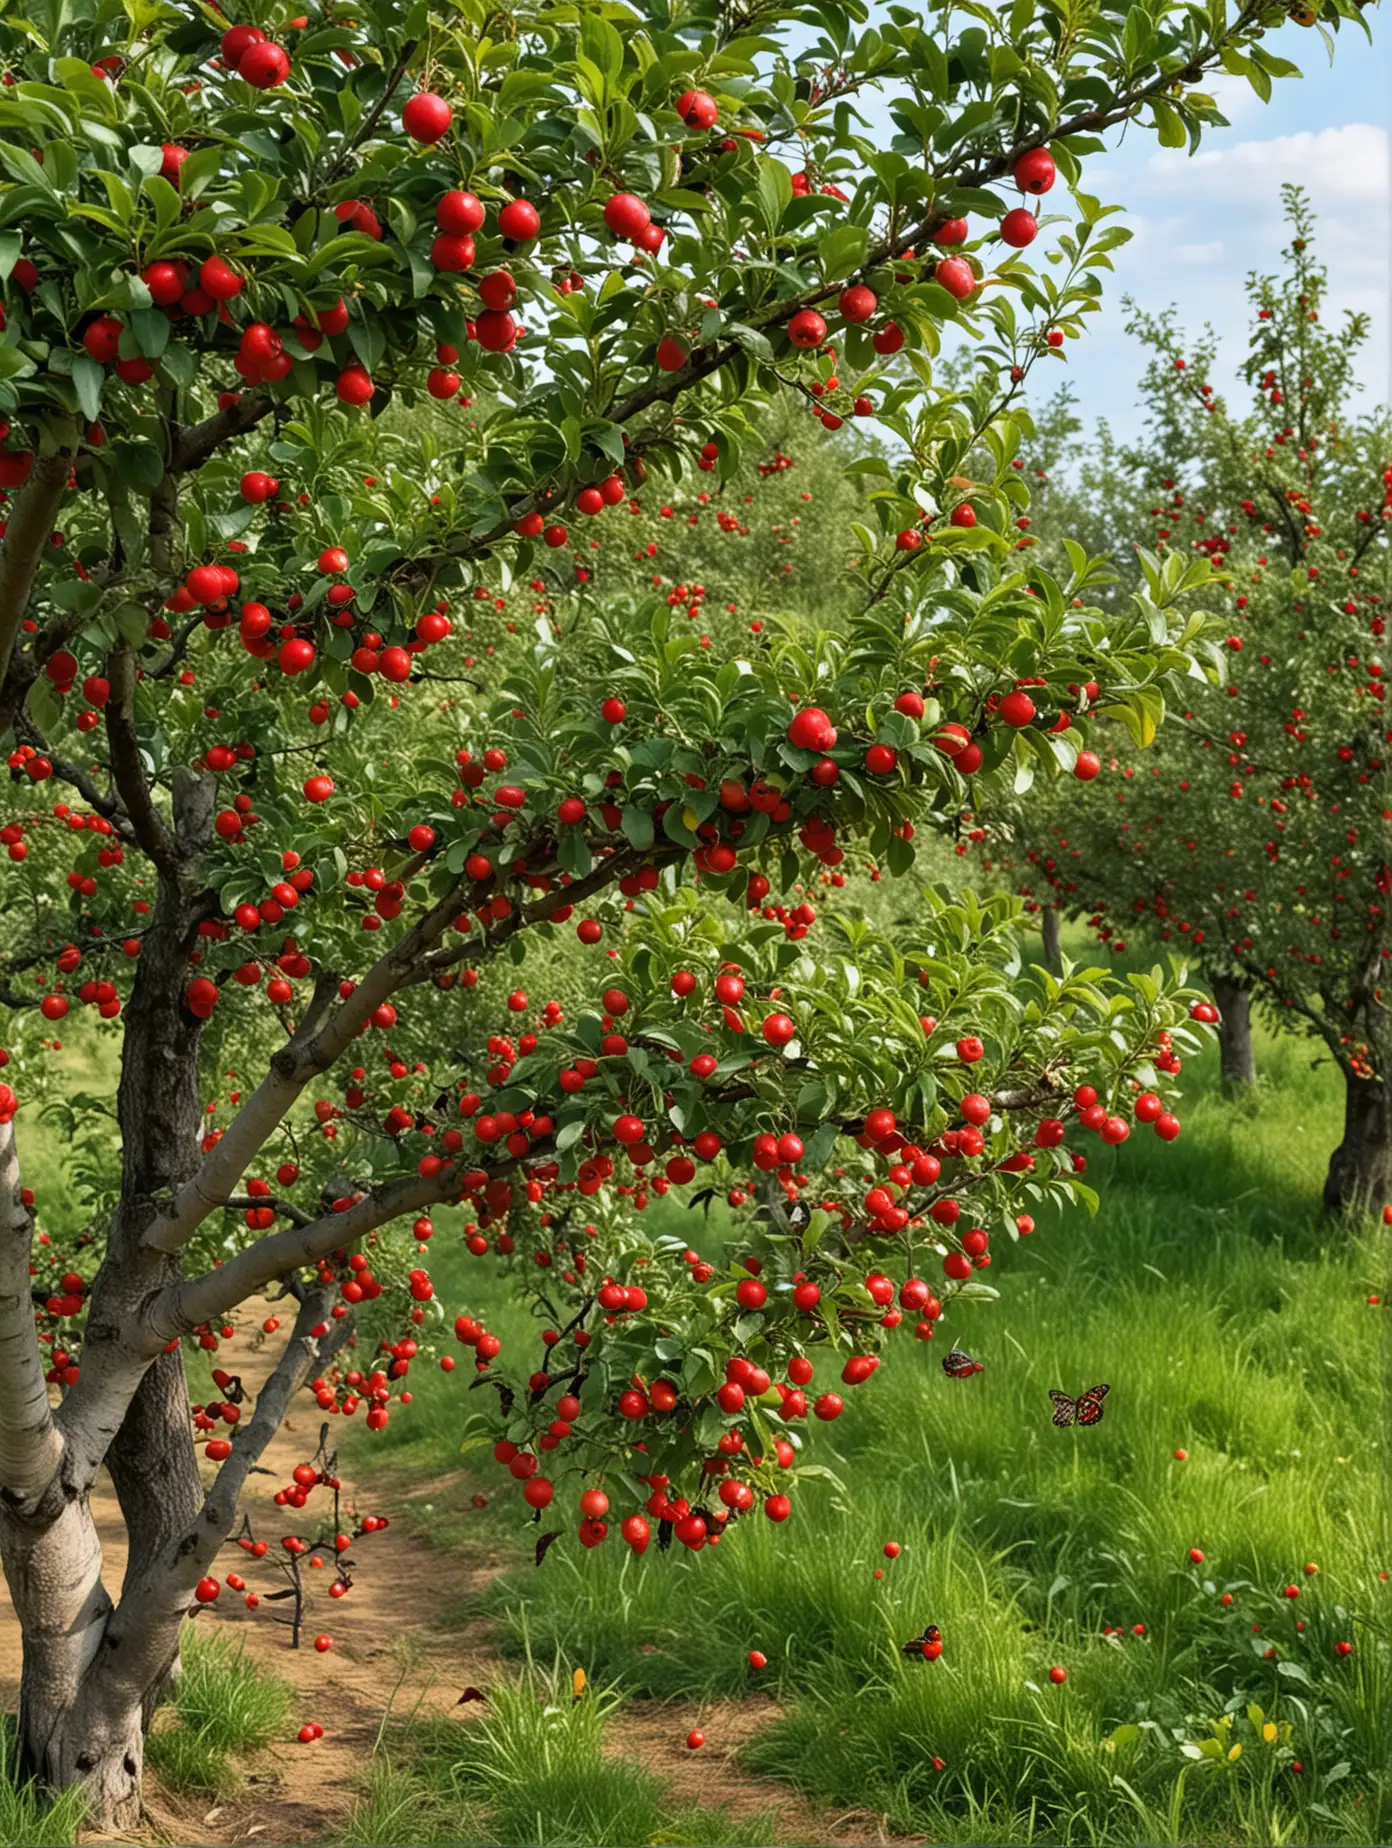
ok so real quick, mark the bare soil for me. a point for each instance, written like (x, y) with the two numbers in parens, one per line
(390, 1658)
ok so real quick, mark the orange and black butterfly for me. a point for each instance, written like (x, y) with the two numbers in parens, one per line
(1086, 1409)
(928, 1646)
(960, 1366)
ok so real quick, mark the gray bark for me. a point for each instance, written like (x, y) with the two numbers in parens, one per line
(1237, 1059)
(1360, 1169)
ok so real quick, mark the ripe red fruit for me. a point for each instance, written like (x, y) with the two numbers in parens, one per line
(1058, 1676)
(857, 303)
(264, 66)
(538, 1492)
(101, 339)
(1019, 228)
(296, 655)
(496, 333)
(811, 730)
(757, 1659)
(354, 385)
(1035, 171)
(207, 1590)
(777, 1029)
(951, 232)
(1017, 709)
(219, 280)
(778, 1507)
(694, 1741)
(318, 788)
(880, 759)
(636, 1532)
(955, 275)
(236, 40)
(613, 712)
(807, 328)
(426, 118)
(459, 213)
(627, 216)
(697, 109)
(1088, 766)
(519, 220)
(323, 1644)
(750, 1293)
(672, 353)
(887, 339)
(963, 516)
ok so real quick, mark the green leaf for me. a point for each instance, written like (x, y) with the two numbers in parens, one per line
(88, 378)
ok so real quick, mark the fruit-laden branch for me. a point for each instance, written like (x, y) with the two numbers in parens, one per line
(30, 1446)
(166, 1586)
(201, 440)
(606, 873)
(75, 777)
(127, 771)
(26, 663)
(318, 1043)
(704, 361)
(181, 1307)
(315, 1045)
(26, 539)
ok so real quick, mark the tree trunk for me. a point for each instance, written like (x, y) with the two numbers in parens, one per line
(1360, 1169)
(1237, 1061)
(1049, 931)
(74, 1727)
(92, 1673)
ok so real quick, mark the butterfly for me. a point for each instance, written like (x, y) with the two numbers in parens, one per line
(1086, 1409)
(960, 1366)
(929, 1645)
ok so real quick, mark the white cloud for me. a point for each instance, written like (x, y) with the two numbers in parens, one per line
(1200, 224)
(1340, 167)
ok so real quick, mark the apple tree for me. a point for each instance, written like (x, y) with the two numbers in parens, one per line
(298, 863)
(1254, 832)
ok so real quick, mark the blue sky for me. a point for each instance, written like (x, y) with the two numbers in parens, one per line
(1201, 224)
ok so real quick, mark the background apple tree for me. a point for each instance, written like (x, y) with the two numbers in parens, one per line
(1255, 833)
(301, 858)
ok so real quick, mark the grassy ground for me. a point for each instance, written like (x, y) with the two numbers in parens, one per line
(532, 1769)
(224, 1708)
(1233, 1324)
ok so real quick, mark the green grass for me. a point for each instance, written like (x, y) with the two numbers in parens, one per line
(531, 1769)
(224, 1707)
(29, 1817)
(1232, 1321)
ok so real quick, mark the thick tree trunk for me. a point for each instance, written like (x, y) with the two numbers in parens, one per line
(1049, 931)
(93, 1673)
(74, 1726)
(1237, 1060)
(1360, 1169)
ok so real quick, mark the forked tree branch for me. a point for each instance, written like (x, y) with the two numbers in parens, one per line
(166, 1588)
(320, 1040)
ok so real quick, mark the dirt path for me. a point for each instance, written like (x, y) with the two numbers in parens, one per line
(391, 1657)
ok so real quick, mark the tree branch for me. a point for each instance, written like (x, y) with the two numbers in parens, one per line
(200, 440)
(321, 1038)
(180, 1307)
(127, 771)
(166, 1587)
(26, 540)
